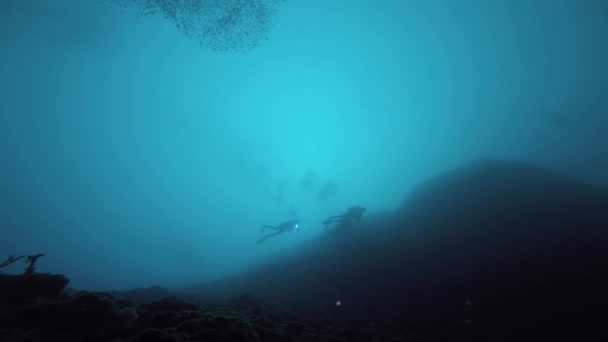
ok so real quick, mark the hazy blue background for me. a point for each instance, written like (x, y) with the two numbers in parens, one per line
(132, 156)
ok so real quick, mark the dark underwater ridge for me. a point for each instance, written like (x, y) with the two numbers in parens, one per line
(492, 251)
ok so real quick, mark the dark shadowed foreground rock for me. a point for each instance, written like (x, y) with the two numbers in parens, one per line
(86, 316)
(17, 289)
(508, 248)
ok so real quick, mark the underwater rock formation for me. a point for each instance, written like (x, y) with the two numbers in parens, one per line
(514, 248)
(100, 316)
(18, 289)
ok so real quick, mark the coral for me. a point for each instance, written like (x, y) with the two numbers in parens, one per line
(30, 260)
(11, 259)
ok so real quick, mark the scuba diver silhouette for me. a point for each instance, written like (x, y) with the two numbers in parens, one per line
(292, 225)
(352, 215)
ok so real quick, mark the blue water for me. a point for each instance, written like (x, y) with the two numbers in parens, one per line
(132, 155)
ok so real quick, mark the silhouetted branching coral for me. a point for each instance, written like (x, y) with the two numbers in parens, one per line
(11, 259)
(30, 260)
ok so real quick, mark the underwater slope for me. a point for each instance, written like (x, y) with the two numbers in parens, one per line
(507, 244)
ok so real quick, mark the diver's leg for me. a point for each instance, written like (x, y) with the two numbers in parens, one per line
(345, 224)
(267, 226)
(334, 217)
(269, 235)
(331, 220)
(274, 234)
(327, 222)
